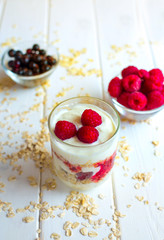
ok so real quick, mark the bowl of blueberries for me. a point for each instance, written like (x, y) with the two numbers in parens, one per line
(137, 94)
(30, 64)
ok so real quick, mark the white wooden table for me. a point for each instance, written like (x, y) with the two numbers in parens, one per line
(115, 34)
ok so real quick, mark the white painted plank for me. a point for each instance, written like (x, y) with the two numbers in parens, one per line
(153, 18)
(141, 221)
(73, 29)
(122, 38)
(73, 25)
(20, 25)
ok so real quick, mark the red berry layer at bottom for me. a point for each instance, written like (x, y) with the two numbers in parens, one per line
(104, 167)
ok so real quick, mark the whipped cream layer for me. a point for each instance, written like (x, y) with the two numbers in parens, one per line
(73, 114)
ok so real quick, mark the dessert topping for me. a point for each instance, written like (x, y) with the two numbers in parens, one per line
(65, 130)
(90, 118)
(87, 134)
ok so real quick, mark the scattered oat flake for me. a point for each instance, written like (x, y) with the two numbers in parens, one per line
(85, 224)
(75, 225)
(139, 198)
(116, 232)
(11, 178)
(155, 143)
(137, 186)
(66, 225)
(124, 148)
(39, 230)
(160, 208)
(55, 236)
(84, 231)
(50, 184)
(92, 234)
(68, 232)
(145, 177)
(129, 205)
(146, 202)
(118, 214)
(101, 196)
(157, 153)
(32, 181)
(61, 215)
(20, 210)
(28, 219)
(10, 215)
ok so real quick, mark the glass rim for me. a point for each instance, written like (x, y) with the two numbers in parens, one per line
(84, 147)
(135, 111)
(28, 78)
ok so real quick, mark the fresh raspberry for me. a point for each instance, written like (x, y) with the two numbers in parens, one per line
(131, 83)
(142, 73)
(129, 71)
(155, 80)
(137, 101)
(65, 130)
(143, 88)
(123, 99)
(87, 134)
(156, 72)
(162, 91)
(115, 87)
(155, 100)
(90, 118)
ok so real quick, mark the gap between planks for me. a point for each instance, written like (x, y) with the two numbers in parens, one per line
(4, 2)
(98, 45)
(44, 115)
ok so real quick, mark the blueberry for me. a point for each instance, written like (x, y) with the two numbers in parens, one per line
(36, 70)
(51, 60)
(18, 54)
(44, 62)
(33, 65)
(11, 63)
(11, 52)
(45, 68)
(25, 59)
(39, 58)
(35, 47)
(42, 52)
(20, 71)
(29, 72)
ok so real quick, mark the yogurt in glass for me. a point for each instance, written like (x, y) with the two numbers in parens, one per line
(82, 165)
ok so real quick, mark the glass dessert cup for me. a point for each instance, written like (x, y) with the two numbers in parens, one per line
(88, 165)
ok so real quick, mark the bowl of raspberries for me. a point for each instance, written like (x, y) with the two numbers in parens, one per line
(137, 94)
(29, 63)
